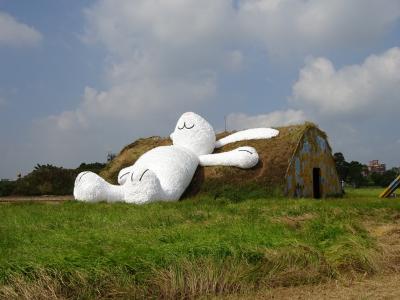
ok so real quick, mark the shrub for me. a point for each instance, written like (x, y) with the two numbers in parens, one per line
(6, 187)
(46, 180)
(50, 180)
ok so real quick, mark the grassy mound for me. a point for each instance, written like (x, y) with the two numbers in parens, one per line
(266, 178)
(199, 247)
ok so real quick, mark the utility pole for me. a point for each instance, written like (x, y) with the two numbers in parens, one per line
(225, 122)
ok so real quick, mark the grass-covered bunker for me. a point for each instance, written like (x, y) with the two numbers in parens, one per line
(296, 163)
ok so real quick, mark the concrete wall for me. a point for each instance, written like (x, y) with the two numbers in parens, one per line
(313, 152)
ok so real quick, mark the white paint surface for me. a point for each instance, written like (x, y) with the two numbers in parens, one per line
(245, 135)
(242, 157)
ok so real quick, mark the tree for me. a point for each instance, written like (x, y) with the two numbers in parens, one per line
(396, 170)
(93, 167)
(6, 187)
(388, 177)
(46, 180)
(342, 166)
(355, 174)
(376, 178)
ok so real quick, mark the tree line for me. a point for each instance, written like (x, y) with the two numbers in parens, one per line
(47, 180)
(356, 174)
(53, 180)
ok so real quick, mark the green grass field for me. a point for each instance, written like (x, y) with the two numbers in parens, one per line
(196, 247)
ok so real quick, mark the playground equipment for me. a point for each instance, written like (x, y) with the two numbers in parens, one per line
(391, 188)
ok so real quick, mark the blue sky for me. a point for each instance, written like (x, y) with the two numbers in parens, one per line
(81, 78)
(50, 76)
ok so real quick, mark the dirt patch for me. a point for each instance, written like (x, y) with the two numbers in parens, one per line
(388, 238)
(44, 199)
(295, 222)
(377, 287)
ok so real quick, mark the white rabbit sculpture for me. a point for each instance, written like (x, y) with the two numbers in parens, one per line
(163, 173)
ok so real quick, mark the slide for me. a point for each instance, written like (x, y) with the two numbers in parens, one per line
(391, 188)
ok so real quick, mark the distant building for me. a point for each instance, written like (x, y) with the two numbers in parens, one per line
(365, 171)
(375, 167)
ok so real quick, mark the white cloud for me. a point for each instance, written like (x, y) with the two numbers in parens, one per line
(288, 27)
(282, 26)
(369, 89)
(163, 59)
(168, 54)
(127, 103)
(131, 26)
(356, 104)
(14, 33)
(276, 118)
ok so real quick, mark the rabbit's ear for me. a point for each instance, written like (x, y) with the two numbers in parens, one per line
(245, 135)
